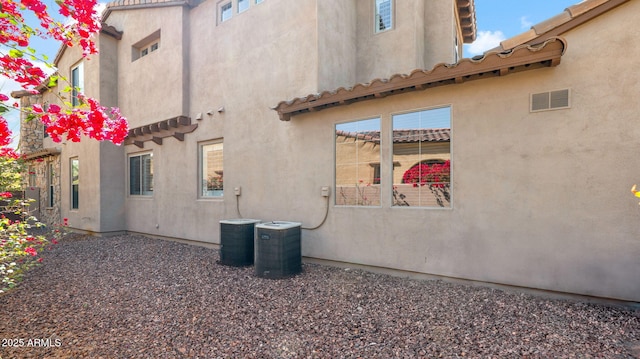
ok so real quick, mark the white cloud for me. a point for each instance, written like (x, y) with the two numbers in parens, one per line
(485, 40)
(525, 24)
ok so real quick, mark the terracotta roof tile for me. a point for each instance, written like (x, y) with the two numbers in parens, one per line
(491, 64)
(403, 136)
(568, 19)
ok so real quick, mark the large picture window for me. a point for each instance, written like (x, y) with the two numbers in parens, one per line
(211, 169)
(141, 174)
(75, 183)
(422, 158)
(357, 151)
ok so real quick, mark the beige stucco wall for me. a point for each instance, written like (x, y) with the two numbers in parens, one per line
(422, 37)
(151, 88)
(101, 168)
(540, 199)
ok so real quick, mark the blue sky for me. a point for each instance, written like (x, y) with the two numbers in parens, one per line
(496, 20)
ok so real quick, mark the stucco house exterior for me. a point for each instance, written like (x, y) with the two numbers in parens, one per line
(514, 167)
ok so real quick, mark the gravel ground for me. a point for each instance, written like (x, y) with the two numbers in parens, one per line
(135, 297)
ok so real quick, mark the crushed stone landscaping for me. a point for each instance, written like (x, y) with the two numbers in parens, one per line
(130, 296)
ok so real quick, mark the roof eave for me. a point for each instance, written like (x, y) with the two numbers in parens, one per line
(492, 64)
(467, 20)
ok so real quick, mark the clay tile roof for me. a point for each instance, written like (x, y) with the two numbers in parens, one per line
(424, 135)
(570, 18)
(402, 136)
(491, 64)
(467, 18)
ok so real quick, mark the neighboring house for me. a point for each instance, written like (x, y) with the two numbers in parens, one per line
(534, 144)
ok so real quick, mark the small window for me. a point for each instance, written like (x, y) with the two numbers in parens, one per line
(77, 83)
(357, 151)
(75, 183)
(146, 46)
(243, 5)
(226, 11)
(552, 100)
(211, 169)
(149, 49)
(383, 19)
(259, 1)
(141, 174)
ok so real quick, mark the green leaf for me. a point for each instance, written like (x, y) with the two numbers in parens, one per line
(15, 53)
(53, 81)
(68, 89)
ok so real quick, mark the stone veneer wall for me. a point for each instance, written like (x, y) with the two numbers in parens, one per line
(47, 215)
(31, 132)
(31, 140)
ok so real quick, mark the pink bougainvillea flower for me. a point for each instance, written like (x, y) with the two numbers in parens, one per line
(31, 251)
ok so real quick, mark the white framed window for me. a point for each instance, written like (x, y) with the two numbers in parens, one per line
(422, 158)
(383, 18)
(357, 155)
(225, 11)
(149, 48)
(77, 83)
(243, 5)
(210, 168)
(141, 174)
(75, 182)
(146, 46)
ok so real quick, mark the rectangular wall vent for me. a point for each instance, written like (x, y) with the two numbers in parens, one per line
(552, 100)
